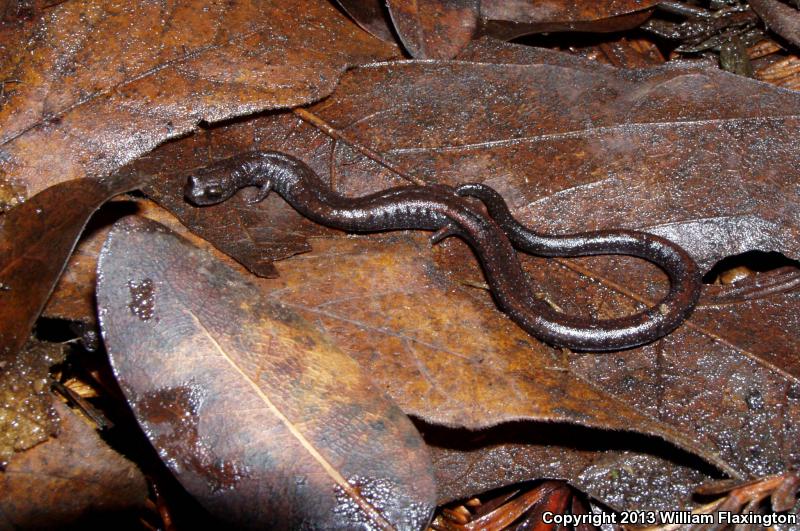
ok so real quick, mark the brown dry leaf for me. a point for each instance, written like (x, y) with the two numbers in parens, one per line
(97, 83)
(440, 29)
(36, 239)
(370, 15)
(68, 479)
(259, 416)
(436, 29)
(508, 20)
(26, 415)
(780, 18)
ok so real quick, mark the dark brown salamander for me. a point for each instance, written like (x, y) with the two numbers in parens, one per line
(439, 208)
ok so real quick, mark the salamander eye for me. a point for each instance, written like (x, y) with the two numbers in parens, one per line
(212, 191)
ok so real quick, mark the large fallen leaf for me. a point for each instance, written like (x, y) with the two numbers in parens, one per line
(74, 478)
(261, 417)
(97, 83)
(620, 149)
(73, 296)
(36, 239)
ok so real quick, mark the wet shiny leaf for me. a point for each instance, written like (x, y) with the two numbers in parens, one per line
(73, 298)
(436, 29)
(623, 470)
(97, 84)
(259, 415)
(36, 239)
(508, 20)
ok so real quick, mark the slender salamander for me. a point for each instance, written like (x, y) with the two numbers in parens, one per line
(440, 208)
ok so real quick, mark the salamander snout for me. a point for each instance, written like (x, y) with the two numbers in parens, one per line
(200, 191)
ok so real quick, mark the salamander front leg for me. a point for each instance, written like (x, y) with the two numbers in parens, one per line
(445, 232)
(263, 192)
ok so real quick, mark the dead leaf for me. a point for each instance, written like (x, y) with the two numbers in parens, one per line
(259, 416)
(530, 16)
(26, 414)
(620, 149)
(73, 296)
(624, 471)
(440, 29)
(36, 239)
(370, 15)
(74, 478)
(780, 18)
(98, 84)
(436, 29)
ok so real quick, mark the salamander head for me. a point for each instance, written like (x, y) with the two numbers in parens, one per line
(220, 181)
(204, 190)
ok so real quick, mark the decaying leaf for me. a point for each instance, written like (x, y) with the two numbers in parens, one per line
(780, 18)
(261, 417)
(620, 149)
(26, 414)
(636, 149)
(98, 83)
(625, 471)
(521, 17)
(370, 15)
(440, 29)
(436, 29)
(36, 239)
(73, 298)
(74, 478)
